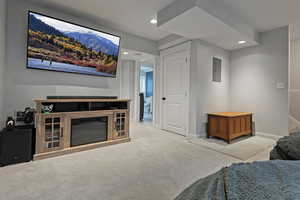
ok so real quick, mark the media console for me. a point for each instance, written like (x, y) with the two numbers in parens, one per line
(75, 125)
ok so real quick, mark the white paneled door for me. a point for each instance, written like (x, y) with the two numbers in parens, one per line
(175, 92)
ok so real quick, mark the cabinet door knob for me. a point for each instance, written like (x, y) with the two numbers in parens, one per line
(164, 98)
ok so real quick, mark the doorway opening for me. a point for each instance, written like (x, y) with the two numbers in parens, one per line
(137, 82)
(146, 92)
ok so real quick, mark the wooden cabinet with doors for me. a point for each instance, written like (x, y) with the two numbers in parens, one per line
(50, 129)
(121, 129)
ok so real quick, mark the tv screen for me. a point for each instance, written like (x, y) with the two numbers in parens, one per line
(58, 45)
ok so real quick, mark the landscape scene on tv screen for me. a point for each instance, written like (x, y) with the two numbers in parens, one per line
(61, 46)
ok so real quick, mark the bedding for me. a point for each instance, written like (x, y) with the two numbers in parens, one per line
(270, 180)
(287, 148)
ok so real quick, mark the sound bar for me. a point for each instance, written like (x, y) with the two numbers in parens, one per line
(82, 97)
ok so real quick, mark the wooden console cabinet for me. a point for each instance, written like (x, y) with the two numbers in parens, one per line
(54, 129)
(229, 125)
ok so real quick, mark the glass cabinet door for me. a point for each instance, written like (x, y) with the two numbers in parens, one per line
(53, 133)
(120, 125)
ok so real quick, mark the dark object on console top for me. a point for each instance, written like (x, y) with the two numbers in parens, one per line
(82, 97)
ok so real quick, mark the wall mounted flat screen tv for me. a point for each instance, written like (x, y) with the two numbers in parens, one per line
(58, 45)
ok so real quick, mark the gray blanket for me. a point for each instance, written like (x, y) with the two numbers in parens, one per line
(271, 180)
(287, 148)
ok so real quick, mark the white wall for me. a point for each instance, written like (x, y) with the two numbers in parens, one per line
(143, 82)
(205, 95)
(294, 92)
(250, 78)
(157, 93)
(127, 76)
(24, 85)
(255, 72)
(2, 57)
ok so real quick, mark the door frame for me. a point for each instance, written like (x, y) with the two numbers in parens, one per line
(137, 91)
(187, 48)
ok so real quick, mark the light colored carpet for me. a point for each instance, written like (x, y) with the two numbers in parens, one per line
(242, 148)
(156, 165)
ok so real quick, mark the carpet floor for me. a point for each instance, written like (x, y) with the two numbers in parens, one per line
(242, 148)
(155, 165)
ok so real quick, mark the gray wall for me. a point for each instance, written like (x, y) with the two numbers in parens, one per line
(295, 65)
(24, 85)
(254, 74)
(127, 81)
(294, 92)
(2, 57)
(249, 83)
(206, 96)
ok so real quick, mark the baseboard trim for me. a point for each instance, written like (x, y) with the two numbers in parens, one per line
(156, 125)
(269, 135)
(196, 136)
(192, 136)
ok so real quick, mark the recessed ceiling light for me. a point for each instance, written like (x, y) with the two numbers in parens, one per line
(153, 21)
(125, 53)
(242, 42)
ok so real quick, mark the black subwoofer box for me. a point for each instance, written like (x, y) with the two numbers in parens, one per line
(16, 145)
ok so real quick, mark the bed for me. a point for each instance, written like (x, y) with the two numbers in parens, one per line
(270, 180)
(287, 148)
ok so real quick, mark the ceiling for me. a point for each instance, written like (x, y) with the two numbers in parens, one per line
(208, 28)
(269, 14)
(133, 16)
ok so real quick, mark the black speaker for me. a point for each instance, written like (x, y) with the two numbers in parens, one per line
(16, 145)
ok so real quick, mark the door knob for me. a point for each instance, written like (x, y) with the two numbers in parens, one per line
(164, 98)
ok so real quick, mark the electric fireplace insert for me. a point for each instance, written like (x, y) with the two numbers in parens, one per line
(88, 130)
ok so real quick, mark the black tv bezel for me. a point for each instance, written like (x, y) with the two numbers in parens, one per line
(31, 68)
